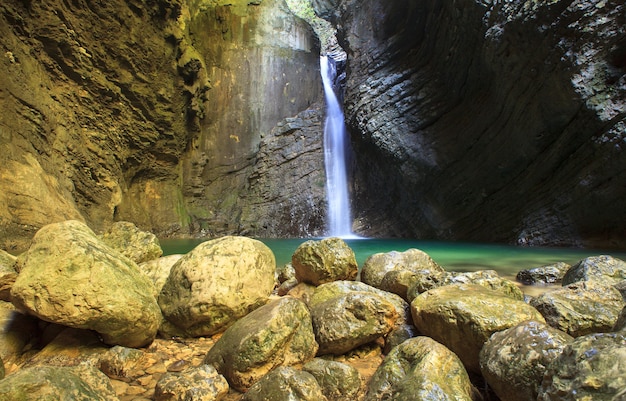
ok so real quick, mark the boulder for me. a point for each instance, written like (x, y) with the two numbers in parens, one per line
(319, 262)
(7, 274)
(77, 383)
(70, 277)
(158, 270)
(285, 383)
(349, 320)
(589, 368)
(130, 241)
(378, 265)
(338, 381)
(546, 274)
(122, 363)
(581, 308)
(513, 361)
(620, 325)
(216, 283)
(487, 278)
(602, 268)
(328, 291)
(464, 316)
(398, 282)
(279, 333)
(201, 383)
(399, 335)
(420, 369)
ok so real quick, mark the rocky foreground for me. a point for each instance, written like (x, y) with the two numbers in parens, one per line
(88, 317)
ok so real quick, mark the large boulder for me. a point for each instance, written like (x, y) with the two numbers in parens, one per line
(338, 381)
(590, 368)
(581, 308)
(216, 283)
(130, 241)
(513, 361)
(48, 383)
(285, 383)
(603, 268)
(344, 322)
(420, 369)
(201, 383)
(546, 274)
(276, 334)
(319, 262)
(464, 316)
(70, 277)
(378, 265)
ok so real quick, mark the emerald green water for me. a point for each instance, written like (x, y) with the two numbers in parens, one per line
(454, 256)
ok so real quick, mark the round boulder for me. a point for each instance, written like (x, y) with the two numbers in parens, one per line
(196, 383)
(602, 268)
(338, 381)
(279, 333)
(592, 367)
(285, 383)
(413, 260)
(70, 277)
(464, 316)
(420, 369)
(130, 241)
(78, 383)
(514, 360)
(319, 262)
(581, 308)
(546, 274)
(216, 283)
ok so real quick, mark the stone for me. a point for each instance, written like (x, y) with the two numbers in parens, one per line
(126, 238)
(216, 283)
(602, 268)
(513, 361)
(285, 383)
(546, 274)
(80, 383)
(398, 282)
(590, 368)
(277, 334)
(328, 291)
(70, 277)
(420, 369)
(158, 270)
(581, 308)
(398, 335)
(201, 383)
(338, 381)
(319, 262)
(7, 274)
(378, 265)
(347, 321)
(463, 317)
(620, 325)
(121, 363)
(16, 331)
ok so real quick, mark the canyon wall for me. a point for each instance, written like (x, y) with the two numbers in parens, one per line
(470, 120)
(488, 121)
(155, 112)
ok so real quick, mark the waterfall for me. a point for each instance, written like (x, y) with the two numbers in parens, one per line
(339, 218)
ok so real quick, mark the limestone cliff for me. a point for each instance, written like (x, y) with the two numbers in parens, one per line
(489, 121)
(147, 111)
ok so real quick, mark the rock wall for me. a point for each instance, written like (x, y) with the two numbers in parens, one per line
(147, 111)
(488, 121)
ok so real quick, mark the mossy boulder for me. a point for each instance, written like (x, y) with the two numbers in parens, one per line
(277, 334)
(319, 262)
(216, 283)
(420, 369)
(285, 383)
(464, 316)
(604, 268)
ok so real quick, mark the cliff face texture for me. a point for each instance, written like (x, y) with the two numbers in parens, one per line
(489, 121)
(473, 120)
(152, 112)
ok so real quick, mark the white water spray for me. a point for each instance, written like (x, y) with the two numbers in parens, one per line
(339, 218)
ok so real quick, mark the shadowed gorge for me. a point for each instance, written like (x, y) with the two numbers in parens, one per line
(469, 120)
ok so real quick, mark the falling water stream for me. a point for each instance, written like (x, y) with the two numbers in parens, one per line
(339, 217)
